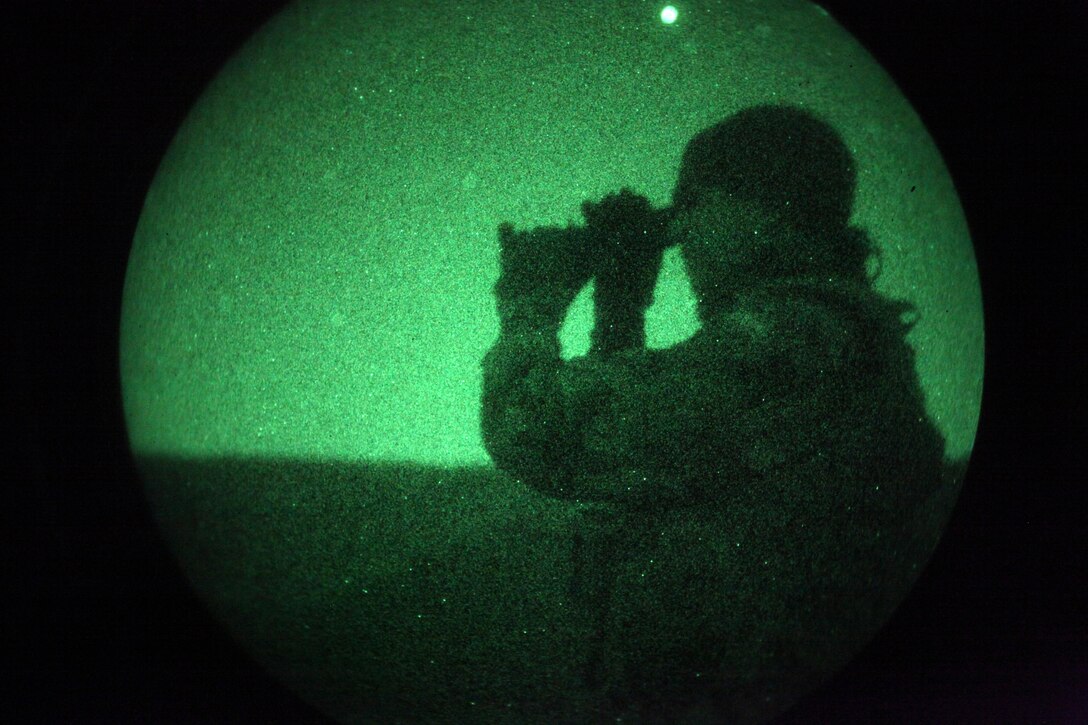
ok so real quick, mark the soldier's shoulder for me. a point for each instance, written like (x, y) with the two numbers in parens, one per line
(811, 322)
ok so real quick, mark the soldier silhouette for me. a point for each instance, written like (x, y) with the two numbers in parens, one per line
(797, 395)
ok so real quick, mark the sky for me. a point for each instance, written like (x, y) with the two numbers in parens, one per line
(311, 275)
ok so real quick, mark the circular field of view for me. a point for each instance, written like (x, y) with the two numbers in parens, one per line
(443, 426)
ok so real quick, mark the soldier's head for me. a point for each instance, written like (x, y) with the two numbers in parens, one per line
(766, 193)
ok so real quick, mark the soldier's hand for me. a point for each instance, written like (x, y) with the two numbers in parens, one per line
(626, 207)
(626, 222)
(627, 237)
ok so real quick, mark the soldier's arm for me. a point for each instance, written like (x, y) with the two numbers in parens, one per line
(531, 424)
(689, 423)
(628, 241)
(524, 424)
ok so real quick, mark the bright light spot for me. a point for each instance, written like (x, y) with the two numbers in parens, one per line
(668, 14)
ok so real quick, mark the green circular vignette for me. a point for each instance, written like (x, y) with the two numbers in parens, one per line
(310, 295)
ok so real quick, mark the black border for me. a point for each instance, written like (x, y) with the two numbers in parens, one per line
(103, 626)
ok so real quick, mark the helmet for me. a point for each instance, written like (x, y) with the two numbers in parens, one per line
(778, 157)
